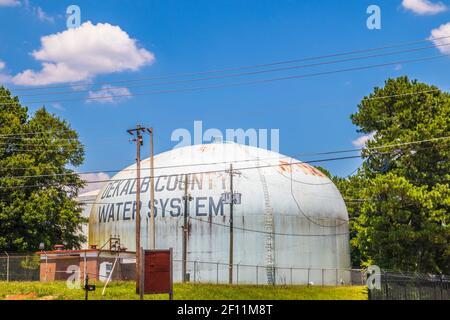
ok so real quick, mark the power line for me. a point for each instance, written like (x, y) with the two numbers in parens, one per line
(241, 74)
(303, 213)
(50, 145)
(20, 134)
(199, 172)
(189, 165)
(274, 233)
(239, 228)
(308, 217)
(235, 161)
(237, 84)
(316, 184)
(177, 75)
(367, 98)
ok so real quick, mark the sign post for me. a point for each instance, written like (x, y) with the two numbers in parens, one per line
(158, 272)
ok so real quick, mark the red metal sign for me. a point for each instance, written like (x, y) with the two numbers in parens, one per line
(158, 277)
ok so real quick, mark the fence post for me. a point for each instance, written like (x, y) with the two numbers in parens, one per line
(308, 277)
(217, 273)
(256, 275)
(195, 270)
(323, 280)
(291, 277)
(274, 276)
(237, 274)
(337, 276)
(7, 266)
(406, 291)
(362, 277)
(46, 267)
(386, 287)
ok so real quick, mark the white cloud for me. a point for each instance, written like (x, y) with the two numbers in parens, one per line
(440, 36)
(2, 65)
(424, 7)
(109, 94)
(361, 141)
(91, 177)
(83, 53)
(43, 16)
(9, 3)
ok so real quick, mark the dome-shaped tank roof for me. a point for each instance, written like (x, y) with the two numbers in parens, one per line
(263, 178)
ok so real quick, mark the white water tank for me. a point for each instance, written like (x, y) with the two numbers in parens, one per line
(291, 225)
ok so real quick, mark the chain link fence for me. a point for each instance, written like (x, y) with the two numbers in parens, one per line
(26, 267)
(391, 286)
(216, 272)
(19, 267)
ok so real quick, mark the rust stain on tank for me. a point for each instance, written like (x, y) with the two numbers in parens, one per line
(285, 167)
(304, 167)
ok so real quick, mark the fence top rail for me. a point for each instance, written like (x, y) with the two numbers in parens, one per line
(5, 254)
(390, 274)
(415, 276)
(275, 267)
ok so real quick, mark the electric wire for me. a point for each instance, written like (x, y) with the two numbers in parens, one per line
(233, 75)
(238, 84)
(233, 161)
(176, 75)
(241, 228)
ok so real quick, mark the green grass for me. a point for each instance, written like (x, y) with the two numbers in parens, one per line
(125, 291)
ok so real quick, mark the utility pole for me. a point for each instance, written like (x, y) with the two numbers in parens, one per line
(187, 197)
(152, 192)
(139, 142)
(230, 263)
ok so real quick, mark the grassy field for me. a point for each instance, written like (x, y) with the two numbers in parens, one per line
(125, 291)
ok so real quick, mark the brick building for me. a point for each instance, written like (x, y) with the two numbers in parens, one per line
(98, 264)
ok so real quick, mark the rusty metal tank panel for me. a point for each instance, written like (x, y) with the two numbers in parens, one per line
(290, 222)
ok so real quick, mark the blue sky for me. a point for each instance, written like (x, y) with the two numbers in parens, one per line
(174, 37)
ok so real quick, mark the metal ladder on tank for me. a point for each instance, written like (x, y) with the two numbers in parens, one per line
(269, 229)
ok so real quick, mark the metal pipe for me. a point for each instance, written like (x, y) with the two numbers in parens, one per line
(85, 267)
(110, 275)
(139, 142)
(46, 266)
(185, 228)
(152, 192)
(230, 262)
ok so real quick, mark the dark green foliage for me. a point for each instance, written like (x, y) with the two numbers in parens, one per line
(37, 189)
(403, 221)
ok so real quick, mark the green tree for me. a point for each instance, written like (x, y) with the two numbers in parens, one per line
(37, 187)
(401, 221)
